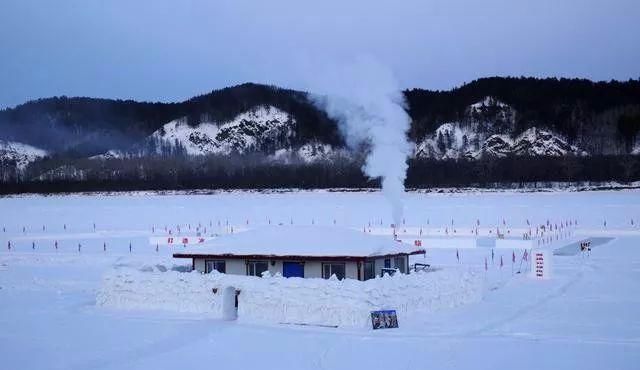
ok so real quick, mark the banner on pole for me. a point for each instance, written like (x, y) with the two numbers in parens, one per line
(541, 264)
(179, 240)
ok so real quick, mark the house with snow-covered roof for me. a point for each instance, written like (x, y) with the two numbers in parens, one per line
(302, 251)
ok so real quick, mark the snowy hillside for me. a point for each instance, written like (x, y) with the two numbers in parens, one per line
(111, 154)
(309, 153)
(450, 141)
(22, 154)
(263, 128)
(538, 142)
(488, 129)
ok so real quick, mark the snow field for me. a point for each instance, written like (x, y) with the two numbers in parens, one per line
(585, 317)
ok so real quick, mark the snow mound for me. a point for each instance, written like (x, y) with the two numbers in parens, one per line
(274, 300)
(21, 153)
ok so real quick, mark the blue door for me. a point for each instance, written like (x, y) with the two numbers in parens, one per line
(292, 269)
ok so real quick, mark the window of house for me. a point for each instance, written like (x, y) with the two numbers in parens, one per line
(217, 265)
(387, 263)
(399, 264)
(256, 268)
(369, 270)
(337, 269)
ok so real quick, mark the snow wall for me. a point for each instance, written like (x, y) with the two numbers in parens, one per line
(274, 300)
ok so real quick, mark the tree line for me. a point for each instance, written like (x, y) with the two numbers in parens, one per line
(259, 172)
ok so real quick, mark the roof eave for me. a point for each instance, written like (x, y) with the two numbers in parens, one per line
(292, 257)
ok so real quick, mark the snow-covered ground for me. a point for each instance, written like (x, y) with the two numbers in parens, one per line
(584, 317)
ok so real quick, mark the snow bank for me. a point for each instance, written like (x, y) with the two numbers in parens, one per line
(290, 300)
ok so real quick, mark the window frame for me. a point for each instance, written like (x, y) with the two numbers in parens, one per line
(215, 261)
(403, 264)
(331, 272)
(254, 262)
(372, 263)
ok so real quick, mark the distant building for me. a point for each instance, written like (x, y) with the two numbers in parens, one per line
(302, 251)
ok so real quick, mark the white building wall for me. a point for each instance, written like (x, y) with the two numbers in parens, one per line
(276, 268)
(312, 269)
(351, 270)
(379, 265)
(235, 267)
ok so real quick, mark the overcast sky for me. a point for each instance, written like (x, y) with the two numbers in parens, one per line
(171, 50)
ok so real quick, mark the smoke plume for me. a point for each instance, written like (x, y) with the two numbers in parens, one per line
(368, 104)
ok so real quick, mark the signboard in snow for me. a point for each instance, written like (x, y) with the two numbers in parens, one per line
(179, 240)
(385, 319)
(540, 264)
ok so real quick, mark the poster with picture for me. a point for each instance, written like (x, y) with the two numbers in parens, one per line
(384, 319)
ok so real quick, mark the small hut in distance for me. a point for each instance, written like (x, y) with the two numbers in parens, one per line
(302, 251)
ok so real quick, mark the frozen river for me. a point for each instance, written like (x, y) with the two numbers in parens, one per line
(584, 317)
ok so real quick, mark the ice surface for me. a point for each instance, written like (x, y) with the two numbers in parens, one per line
(585, 317)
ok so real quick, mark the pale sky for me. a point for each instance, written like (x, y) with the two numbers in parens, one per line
(171, 50)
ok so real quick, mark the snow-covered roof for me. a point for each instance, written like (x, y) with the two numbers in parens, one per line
(301, 241)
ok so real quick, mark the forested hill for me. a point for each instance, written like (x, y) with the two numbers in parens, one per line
(576, 108)
(489, 120)
(87, 126)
